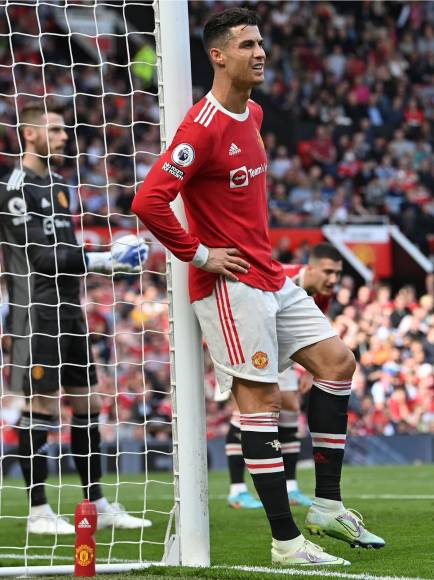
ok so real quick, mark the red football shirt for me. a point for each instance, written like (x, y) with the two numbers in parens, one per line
(217, 162)
(296, 273)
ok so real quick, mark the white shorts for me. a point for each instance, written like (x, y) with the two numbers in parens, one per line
(288, 380)
(252, 334)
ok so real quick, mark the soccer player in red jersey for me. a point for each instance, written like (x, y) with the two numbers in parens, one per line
(254, 319)
(319, 278)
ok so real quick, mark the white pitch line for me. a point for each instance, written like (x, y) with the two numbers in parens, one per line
(256, 569)
(316, 572)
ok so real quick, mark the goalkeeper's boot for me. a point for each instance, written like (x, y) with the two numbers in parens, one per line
(244, 500)
(304, 553)
(43, 520)
(297, 498)
(114, 515)
(346, 525)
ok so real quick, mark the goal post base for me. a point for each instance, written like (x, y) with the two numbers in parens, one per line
(172, 553)
(27, 571)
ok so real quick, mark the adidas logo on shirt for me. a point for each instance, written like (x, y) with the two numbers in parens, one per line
(45, 203)
(234, 150)
(84, 523)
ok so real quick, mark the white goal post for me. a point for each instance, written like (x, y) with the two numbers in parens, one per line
(186, 535)
(190, 442)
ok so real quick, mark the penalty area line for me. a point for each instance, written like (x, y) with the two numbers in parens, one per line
(314, 571)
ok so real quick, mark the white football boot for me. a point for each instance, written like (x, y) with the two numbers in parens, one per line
(303, 553)
(114, 515)
(43, 520)
(346, 525)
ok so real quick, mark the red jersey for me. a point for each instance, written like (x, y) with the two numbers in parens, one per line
(217, 162)
(296, 273)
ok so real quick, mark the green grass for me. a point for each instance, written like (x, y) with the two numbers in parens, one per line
(242, 537)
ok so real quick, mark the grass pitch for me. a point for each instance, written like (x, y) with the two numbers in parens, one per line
(396, 502)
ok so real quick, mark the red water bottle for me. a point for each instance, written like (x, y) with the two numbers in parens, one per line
(85, 546)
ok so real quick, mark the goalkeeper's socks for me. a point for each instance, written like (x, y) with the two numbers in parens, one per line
(261, 450)
(327, 418)
(32, 448)
(85, 449)
(234, 455)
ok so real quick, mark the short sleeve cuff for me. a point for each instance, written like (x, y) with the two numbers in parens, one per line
(201, 256)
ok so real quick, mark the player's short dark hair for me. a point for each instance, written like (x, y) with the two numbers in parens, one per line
(31, 113)
(217, 27)
(325, 250)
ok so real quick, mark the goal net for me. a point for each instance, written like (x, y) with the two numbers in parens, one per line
(120, 72)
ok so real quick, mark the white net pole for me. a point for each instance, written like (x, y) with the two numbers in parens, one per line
(189, 435)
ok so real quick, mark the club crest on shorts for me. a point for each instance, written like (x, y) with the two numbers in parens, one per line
(260, 360)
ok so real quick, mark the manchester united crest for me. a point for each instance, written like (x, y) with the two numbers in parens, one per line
(38, 372)
(260, 360)
(62, 199)
(84, 555)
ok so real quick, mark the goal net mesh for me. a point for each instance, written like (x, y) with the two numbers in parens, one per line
(97, 61)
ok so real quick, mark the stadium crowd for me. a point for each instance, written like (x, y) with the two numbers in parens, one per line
(350, 92)
(352, 88)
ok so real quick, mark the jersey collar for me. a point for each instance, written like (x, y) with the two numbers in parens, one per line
(30, 173)
(237, 116)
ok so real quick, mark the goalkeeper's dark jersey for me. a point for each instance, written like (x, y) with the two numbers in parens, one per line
(42, 259)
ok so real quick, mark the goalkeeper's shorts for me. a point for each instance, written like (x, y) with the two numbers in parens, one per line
(58, 354)
(252, 334)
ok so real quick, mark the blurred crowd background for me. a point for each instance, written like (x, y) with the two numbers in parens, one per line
(349, 120)
(348, 111)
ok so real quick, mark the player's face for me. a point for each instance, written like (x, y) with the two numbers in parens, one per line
(243, 56)
(326, 273)
(50, 140)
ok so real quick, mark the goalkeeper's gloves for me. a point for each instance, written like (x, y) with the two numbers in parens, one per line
(127, 255)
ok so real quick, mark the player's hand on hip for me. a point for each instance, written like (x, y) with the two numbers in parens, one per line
(226, 261)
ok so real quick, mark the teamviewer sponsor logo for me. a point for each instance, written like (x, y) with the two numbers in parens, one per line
(238, 177)
(84, 523)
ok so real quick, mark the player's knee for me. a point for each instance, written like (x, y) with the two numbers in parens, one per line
(46, 404)
(272, 402)
(262, 401)
(348, 364)
(95, 405)
(86, 404)
(341, 365)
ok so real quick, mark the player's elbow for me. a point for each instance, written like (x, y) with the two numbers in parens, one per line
(140, 206)
(136, 206)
